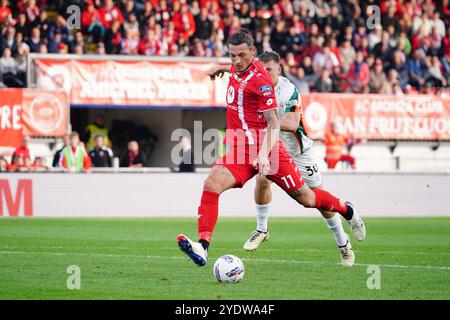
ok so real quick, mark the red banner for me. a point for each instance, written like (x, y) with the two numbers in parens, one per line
(32, 112)
(132, 83)
(418, 117)
(45, 113)
(10, 118)
(185, 84)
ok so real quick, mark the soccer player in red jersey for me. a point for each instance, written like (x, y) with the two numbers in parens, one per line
(253, 126)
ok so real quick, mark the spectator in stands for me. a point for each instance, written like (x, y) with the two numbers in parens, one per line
(74, 157)
(30, 8)
(43, 48)
(21, 63)
(134, 158)
(57, 156)
(19, 163)
(203, 26)
(113, 39)
(383, 49)
(94, 129)
(391, 84)
(61, 27)
(8, 69)
(21, 25)
(132, 25)
(101, 155)
(324, 82)
(9, 40)
(187, 162)
(35, 40)
(39, 165)
(109, 13)
(348, 55)
(183, 19)
(399, 63)
(23, 150)
(5, 12)
(335, 143)
(338, 79)
(417, 69)
(377, 77)
(324, 59)
(130, 43)
(90, 22)
(434, 74)
(100, 49)
(359, 74)
(55, 42)
(150, 45)
(44, 25)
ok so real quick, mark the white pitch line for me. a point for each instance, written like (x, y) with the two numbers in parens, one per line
(446, 268)
(265, 249)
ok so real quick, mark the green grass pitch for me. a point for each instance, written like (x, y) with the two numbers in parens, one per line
(139, 259)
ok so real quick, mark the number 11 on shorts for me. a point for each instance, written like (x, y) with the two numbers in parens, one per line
(285, 179)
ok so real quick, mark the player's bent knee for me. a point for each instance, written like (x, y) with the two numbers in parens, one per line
(212, 184)
(217, 181)
(305, 197)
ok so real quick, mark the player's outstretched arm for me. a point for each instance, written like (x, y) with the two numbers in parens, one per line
(290, 122)
(273, 130)
(218, 72)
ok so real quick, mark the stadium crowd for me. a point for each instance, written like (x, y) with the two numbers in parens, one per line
(326, 46)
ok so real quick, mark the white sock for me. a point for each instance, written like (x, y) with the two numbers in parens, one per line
(335, 225)
(262, 216)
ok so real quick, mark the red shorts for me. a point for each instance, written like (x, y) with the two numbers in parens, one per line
(283, 171)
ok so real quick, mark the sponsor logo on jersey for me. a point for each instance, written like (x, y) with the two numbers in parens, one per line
(230, 95)
(269, 101)
(265, 88)
(232, 107)
(268, 94)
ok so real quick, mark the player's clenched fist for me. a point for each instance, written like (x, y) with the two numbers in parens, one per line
(218, 72)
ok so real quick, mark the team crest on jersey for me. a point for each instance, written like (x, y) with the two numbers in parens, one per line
(265, 88)
(230, 95)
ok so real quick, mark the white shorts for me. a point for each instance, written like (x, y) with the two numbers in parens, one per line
(309, 168)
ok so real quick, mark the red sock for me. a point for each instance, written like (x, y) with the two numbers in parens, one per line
(326, 201)
(207, 215)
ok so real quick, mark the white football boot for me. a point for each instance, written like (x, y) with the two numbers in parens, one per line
(256, 238)
(356, 224)
(194, 250)
(347, 254)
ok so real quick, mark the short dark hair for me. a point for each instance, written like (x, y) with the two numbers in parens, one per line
(268, 56)
(240, 37)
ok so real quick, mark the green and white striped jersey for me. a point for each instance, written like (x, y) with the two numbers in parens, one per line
(289, 99)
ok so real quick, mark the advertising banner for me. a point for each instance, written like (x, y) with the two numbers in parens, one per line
(132, 83)
(415, 117)
(34, 112)
(185, 84)
(10, 118)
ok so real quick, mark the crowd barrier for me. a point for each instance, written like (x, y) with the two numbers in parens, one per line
(165, 194)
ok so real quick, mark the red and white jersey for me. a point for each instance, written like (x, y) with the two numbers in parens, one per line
(249, 94)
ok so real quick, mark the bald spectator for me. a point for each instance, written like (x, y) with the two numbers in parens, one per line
(134, 157)
(23, 150)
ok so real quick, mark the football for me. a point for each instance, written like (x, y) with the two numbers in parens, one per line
(229, 269)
